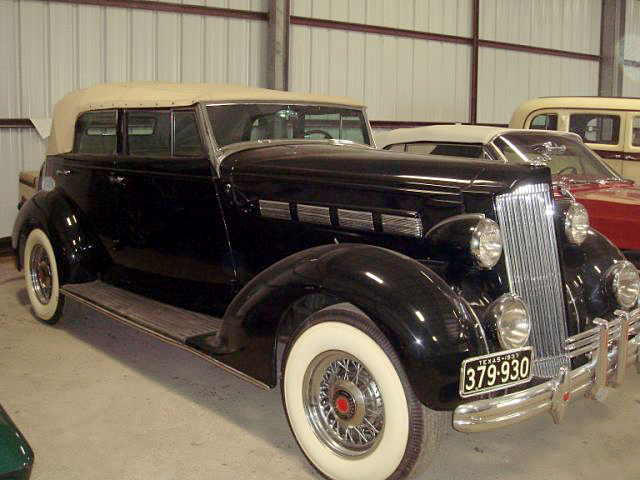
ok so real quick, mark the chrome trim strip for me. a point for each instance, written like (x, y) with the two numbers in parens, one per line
(356, 219)
(554, 395)
(273, 209)
(409, 226)
(165, 339)
(314, 214)
(533, 267)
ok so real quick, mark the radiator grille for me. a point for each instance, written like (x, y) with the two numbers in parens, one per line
(531, 254)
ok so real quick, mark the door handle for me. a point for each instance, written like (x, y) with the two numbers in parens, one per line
(631, 157)
(64, 172)
(116, 179)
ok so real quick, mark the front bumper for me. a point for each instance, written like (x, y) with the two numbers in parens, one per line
(611, 345)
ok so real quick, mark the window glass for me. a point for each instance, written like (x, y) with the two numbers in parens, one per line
(96, 133)
(635, 133)
(595, 127)
(398, 147)
(149, 133)
(242, 123)
(546, 121)
(186, 140)
(447, 149)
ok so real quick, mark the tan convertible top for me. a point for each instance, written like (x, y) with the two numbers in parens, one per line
(156, 94)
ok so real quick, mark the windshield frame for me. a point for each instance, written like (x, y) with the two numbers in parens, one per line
(551, 133)
(219, 153)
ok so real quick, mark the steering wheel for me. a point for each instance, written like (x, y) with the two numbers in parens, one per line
(327, 135)
(570, 169)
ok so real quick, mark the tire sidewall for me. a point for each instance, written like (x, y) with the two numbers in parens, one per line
(46, 312)
(321, 336)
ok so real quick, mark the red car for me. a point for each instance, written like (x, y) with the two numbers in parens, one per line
(612, 202)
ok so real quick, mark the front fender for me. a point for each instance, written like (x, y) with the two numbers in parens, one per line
(431, 328)
(79, 252)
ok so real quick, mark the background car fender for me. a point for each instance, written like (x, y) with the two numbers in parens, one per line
(431, 328)
(80, 254)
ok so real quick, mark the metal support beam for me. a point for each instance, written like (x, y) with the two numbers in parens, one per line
(279, 25)
(612, 48)
(473, 94)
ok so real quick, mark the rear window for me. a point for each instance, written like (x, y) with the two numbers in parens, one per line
(596, 127)
(96, 133)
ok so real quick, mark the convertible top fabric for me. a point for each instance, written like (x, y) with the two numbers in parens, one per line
(156, 94)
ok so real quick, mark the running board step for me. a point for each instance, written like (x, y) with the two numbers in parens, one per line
(165, 320)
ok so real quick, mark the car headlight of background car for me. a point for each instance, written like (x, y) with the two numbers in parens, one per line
(624, 283)
(486, 243)
(576, 223)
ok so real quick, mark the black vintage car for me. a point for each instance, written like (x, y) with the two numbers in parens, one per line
(228, 220)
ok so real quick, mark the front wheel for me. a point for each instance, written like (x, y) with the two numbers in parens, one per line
(41, 277)
(349, 402)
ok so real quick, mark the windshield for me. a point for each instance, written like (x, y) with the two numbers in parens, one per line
(567, 157)
(262, 121)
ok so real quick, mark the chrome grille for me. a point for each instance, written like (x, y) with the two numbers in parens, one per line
(531, 254)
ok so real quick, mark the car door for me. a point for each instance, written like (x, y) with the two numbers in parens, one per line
(631, 169)
(171, 241)
(84, 174)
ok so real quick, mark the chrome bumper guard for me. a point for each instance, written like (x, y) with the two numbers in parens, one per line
(611, 346)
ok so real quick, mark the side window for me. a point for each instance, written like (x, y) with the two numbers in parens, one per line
(546, 121)
(149, 133)
(398, 147)
(635, 133)
(186, 139)
(96, 133)
(595, 127)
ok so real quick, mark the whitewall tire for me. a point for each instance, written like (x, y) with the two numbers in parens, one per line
(41, 277)
(349, 402)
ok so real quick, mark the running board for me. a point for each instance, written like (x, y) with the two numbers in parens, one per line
(171, 324)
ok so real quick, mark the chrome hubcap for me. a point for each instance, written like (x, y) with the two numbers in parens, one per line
(40, 269)
(343, 404)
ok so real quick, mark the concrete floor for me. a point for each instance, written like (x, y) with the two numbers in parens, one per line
(99, 400)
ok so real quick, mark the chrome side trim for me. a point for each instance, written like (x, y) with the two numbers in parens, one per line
(314, 214)
(165, 339)
(356, 219)
(553, 396)
(408, 226)
(273, 209)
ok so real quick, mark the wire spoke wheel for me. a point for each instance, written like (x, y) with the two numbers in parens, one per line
(343, 403)
(41, 277)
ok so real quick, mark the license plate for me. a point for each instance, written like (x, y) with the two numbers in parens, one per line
(495, 371)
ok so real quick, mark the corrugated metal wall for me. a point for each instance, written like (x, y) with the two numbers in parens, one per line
(506, 78)
(49, 48)
(631, 79)
(398, 78)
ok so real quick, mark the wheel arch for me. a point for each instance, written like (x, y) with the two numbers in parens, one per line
(430, 327)
(79, 252)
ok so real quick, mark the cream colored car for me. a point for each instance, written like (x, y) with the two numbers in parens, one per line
(609, 126)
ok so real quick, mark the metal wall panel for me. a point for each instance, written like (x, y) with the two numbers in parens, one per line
(507, 78)
(451, 17)
(631, 79)
(572, 25)
(397, 78)
(51, 48)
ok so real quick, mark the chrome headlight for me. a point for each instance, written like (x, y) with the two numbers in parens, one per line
(486, 243)
(511, 318)
(625, 283)
(576, 223)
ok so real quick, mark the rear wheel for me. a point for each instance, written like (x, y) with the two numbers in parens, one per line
(41, 277)
(349, 402)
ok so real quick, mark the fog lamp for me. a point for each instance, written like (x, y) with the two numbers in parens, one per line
(625, 283)
(510, 316)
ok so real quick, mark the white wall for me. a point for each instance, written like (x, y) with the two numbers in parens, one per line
(48, 49)
(631, 79)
